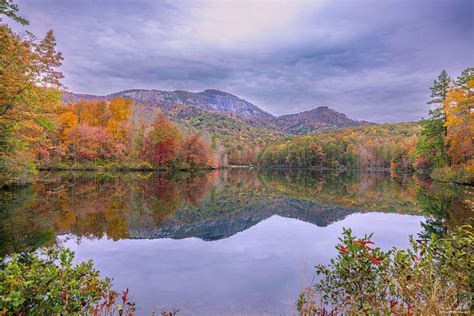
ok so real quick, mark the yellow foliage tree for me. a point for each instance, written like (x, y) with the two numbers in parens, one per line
(460, 123)
(118, 124)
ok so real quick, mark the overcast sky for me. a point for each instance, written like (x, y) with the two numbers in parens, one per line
(372, 60)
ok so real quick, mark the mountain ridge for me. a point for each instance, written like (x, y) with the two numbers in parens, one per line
(217, 101)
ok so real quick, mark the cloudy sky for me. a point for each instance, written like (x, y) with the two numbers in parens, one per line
(372, 60)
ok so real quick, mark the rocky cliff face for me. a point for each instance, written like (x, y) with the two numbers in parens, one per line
(211, 100)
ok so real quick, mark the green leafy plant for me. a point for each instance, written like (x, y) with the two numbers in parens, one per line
(433, 276)
(49, 283)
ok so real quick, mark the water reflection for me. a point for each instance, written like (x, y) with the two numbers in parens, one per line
(256, 272)
(212, 205)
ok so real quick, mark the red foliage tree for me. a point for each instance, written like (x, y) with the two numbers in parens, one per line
(89, 142)
(162, 143)
(196, 151)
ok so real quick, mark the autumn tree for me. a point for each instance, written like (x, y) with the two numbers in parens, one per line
(46, 62)
(365, 147)
(93, 112)
(67, 120)
(89, 143)
(460, 122)
(196, 151)
(304, 151)
(29, 97)
(118, 123)
(162, 143)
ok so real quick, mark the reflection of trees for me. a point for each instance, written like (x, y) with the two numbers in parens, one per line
(161, 198)
(127, 205)
(304, 184)
(22, 226)
(92, 206)
(445, 207)
(197, 187)
(367, 191)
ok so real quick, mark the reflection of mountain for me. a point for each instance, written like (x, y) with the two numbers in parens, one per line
(208, 205)
(226, 226)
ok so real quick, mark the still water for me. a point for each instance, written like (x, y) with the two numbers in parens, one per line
(225, 242)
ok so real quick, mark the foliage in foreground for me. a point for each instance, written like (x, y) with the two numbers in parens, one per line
(51, 284)
(433, 276)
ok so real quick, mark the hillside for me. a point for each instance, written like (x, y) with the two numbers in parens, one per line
(228, 130)
(215, 101)
(318, 119)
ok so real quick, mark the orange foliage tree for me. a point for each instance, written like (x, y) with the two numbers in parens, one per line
(196, 151)
(163, 141)
(460, 123)
(29, 95)
(119, 122)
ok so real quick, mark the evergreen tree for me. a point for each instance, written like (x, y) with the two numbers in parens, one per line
(466, 75)
(431, 144)
(8, 8)
(440, 88)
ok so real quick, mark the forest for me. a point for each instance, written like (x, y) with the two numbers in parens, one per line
(39, 131)
(42, 130)
(441, 145)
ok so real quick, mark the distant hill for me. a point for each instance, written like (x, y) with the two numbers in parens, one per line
(226, 105)
(318, 119)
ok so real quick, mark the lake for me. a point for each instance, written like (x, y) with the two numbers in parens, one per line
(223, 242)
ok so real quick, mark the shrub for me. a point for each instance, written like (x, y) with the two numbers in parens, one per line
(49, 283)
(433, 276)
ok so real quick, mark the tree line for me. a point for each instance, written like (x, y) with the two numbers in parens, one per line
(441, 145)
(38, 130)
(383, 146)
(101, 131)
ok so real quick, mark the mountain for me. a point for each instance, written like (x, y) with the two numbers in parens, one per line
(210, 100)
(318, 119)
(223, 103)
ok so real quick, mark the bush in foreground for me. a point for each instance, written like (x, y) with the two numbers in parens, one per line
(434, 276)
(50, 283)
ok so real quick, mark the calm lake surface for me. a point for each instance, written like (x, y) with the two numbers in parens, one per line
(225, 242)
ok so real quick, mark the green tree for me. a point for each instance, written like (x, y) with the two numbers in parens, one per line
(466, 75)
(431, 144)
(8, 8)
(440, 88)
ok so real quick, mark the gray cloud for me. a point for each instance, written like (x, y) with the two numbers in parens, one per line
(373, 60)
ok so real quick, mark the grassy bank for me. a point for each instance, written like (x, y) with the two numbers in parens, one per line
(101, 165)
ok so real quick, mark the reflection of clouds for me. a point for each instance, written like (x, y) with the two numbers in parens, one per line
(255, 271)
(283, 56)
